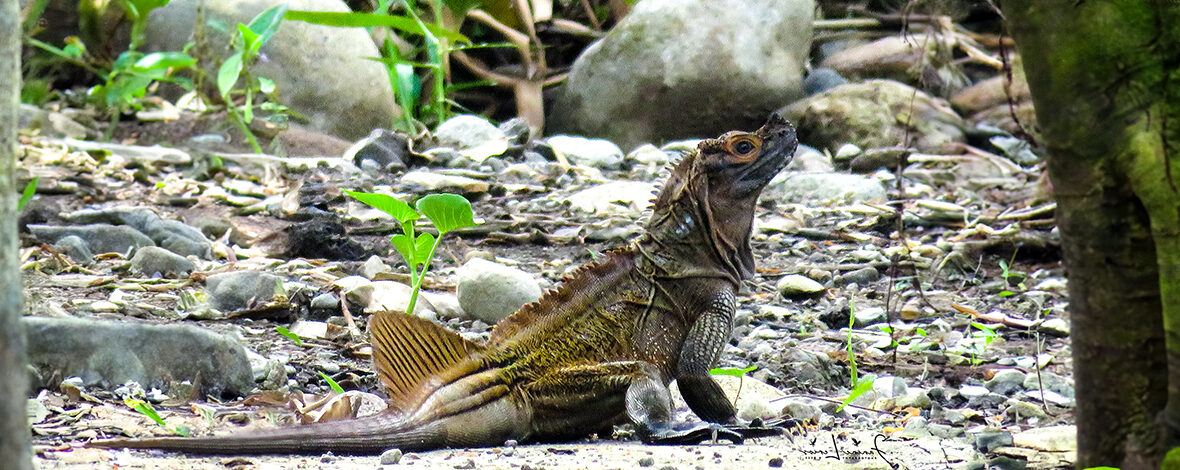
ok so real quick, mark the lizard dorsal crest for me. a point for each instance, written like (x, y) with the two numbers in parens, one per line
(407, 351)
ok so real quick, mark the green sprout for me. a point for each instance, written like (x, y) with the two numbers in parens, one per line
(446, 211)
(146, 409)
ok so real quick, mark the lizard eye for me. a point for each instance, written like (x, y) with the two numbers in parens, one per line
(744, 148)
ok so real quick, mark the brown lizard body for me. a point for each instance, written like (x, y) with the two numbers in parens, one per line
(594, 352)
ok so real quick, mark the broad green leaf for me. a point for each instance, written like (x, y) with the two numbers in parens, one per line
(332, 383)
(422, 247)
(732, 371)
(228, 74)
(370, 20)
(447, 211)
(27, 194)
(397, 209)
(266, 85)
(405, 246)
(164, 61)
(267, 23)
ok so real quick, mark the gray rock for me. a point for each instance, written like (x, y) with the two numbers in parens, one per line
(50, 123)
(915, 427)
(626, 198)
(890, 387)
(821, 79)
(325, 301)
(1050, 381)
(798, 285)
(1005, 381)
(473, 136)
(384, 149)
(824, 187)
(395, 296)
(391, 457)
(111, 353)
(490, 291)
(990, 440)
(151, 261)
(238, 290)
(810, 160)
(651, 155)
(801, 409)
(173, 235)
(1050, 439)
(870, 316)
(75, 247)
(348, 95)
(687, 68)
(862, 276)
(867, 114)
(426, 180)
(596, 153)
(98, 238)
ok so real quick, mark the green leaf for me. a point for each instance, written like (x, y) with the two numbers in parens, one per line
(250, 39)
(228, 74)
(405, 246)
(864, 385)
(332, 383)
(292, 336)
(266, 24)
(146, 409)
(163, 61)
(732, 371)
(27, 194)
(422, 247)
(370, 20)
(407, 88)
(140, 8)
(447, 211)
(397, 209)
(1006, 293)
(266, 85)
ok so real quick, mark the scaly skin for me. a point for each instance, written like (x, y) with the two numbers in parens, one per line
(600, 349)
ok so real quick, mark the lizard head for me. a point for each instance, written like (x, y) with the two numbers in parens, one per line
(709, 198)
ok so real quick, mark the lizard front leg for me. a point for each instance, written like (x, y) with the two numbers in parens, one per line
(702, 347)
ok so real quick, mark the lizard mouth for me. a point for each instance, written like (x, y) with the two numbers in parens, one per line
(778, 137)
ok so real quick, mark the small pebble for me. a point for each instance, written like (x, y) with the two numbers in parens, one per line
(647, 461)
(776, 462)
(391, 456)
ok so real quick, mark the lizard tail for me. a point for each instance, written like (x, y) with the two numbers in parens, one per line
(370, 435)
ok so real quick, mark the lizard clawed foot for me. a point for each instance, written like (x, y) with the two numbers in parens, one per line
(705, 432)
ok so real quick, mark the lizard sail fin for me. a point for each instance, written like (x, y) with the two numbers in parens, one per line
(408, 351)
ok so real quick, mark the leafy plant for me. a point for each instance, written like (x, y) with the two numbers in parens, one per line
(146, 409)
(27, 194)
(860, 385)
(981, 340)
(247, 44)
(403, 80)
(126, 79)
(446, 211)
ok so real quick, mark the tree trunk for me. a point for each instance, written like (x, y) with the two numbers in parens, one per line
(1104, 77)
(14, 426)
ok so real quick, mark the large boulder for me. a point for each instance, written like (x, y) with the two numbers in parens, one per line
(876, 113)
(319, 71)
(687, 68)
